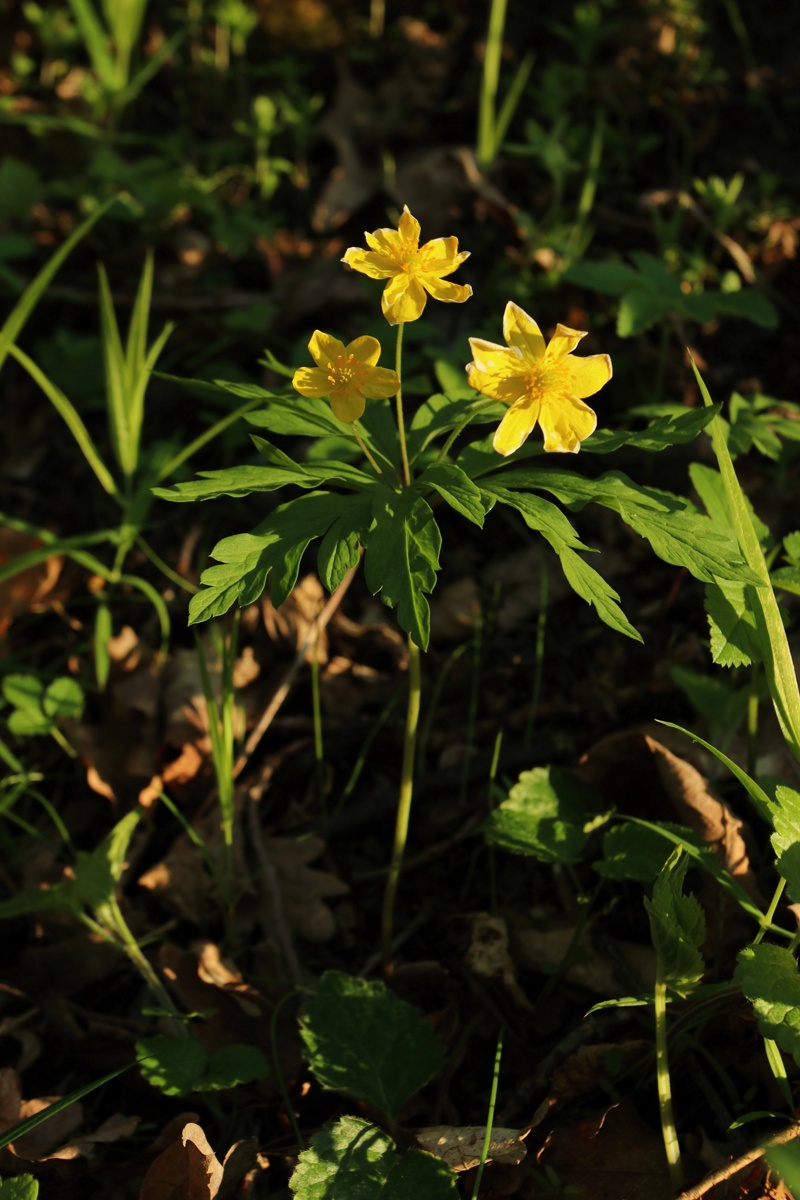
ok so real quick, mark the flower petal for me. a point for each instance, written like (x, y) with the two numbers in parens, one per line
(515, 426)
(506, 389)
(379, 383)
(403, 299)
(376, 266)
(408, 228)
(492, 359)
(521, 331)
(325, 348)
(440, 256)
(565, 422)
(347, 404)
(587, 375)
(310, 381)
(563, 341)
(367, 350)
(385, 241)
(442, 289)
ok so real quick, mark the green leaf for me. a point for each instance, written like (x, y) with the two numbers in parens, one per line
(610, 278)
(274, 549)
(233, 1065)
(632, 852)
(664, 431)
(791, 545)
(319, 468)
(339, 549)
(24, 692)
(592, 588)
(677, 927)
(787, 579)
(546, 816)
(26, 723)
(402, 558)
(235, 481)
(441, 413)
(638, 310)
(768, 978)
(63, 699)
(456, 487)
(783, 1159)
(174, 1065)
(732, 624)
(713, 696)
(36, 900)
(353, 1160)
(21, 1187)
(295, 417)
(98, 873)
(710, 487)
(748, 303)
(365, 1042)
(786, 838)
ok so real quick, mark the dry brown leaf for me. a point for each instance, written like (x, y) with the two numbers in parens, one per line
(596, 972)
(303, 888)
(611, 1156)
(39, 1143)
(292, 622)
(587, 1068)
(489, 955)
(186, 1170)
(461, 1147)
(31, 589)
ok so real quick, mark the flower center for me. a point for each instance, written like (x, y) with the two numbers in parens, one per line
(405, 255)
(345, 371)
(535, 385)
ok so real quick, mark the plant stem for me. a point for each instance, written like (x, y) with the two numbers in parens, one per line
(668, 1130)
(462, 425)
(487, 1140)
(766, 920)
(487, 134)
(365, 450)
(401, 427)
(404, 802)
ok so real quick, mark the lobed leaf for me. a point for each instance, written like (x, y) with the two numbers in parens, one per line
(785, 840)
(677, 926)
(455, 487)
(768, 978)
(402, 558)
(546, 815)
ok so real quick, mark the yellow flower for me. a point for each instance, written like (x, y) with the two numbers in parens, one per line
(396, 255)
(347, 375)
(543, 385)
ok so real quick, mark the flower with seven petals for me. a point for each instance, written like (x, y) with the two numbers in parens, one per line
(412, 270)
(543, 385)
(347, 375)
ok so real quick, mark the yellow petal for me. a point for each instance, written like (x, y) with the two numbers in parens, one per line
(324, 348)
(379, 383)
(440, 256)
(566, 422)
(376, 266)
(521, 331)
(403, 299)
(310, 381)
(515, 426)
(563, 341)
(366, 349)
(508, 390)
(491, 359)
(442, 289)
(408, 228)
(587, 375)
(347, 404)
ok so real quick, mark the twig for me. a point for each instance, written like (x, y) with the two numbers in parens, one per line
(270, 712)
(739, 1164)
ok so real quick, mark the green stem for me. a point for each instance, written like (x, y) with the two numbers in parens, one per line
(752, 722)
(668, 1130)
(404, 802)
(487, 133)
(164, 567)
(766, 920)
(487, 1140)
(365, 450)
(401, 427)
(462, 425)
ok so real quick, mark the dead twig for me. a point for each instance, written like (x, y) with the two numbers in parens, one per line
(739, 1164)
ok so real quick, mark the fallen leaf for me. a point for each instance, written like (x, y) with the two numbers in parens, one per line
(489, 955)
(461, 1147)
(534, 947)
(186, 1170)
(31, 589)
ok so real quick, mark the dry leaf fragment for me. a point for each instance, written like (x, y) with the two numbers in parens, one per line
(596, 972)
(460, 1147)
(186, 1170)
(303, 888)
(489, 955)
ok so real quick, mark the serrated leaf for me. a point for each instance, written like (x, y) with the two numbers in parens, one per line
(235, 481)
(272, 551)
(710, 487)
(98, 873)
(787, 579)
(353, 1160)
(677, 927)
(340, 548)
(21, 1187)
(632, 852)
(595, 590)
(732, 625)
(664, 431)
(785, 812)
(63, 698)
(295, 417)
(365, 1042)
(24, 692)
(545, 816)
(174, 1065)
(402, 558)
(791, 546)
(768, 978)
(456, 487)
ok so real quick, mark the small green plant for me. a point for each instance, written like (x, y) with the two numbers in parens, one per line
(37, 709)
